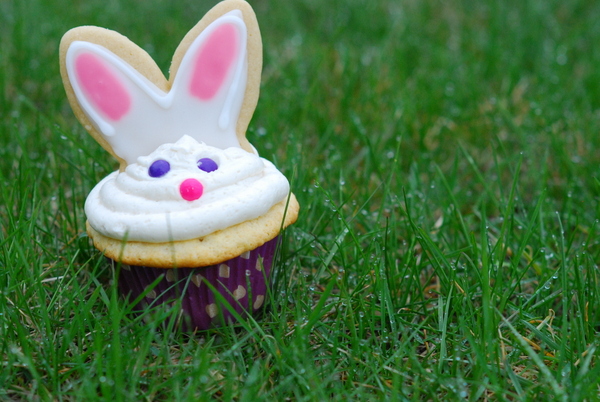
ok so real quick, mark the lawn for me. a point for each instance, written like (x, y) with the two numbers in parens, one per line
(445, 156)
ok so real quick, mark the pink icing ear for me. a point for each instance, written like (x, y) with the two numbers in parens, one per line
(214, 60)
(102, 87)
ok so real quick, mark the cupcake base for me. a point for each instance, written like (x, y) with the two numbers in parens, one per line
(208, 294)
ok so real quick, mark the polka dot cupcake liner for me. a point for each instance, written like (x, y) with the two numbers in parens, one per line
(208, 294)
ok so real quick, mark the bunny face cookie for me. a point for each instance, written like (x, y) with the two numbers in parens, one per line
(187, 172)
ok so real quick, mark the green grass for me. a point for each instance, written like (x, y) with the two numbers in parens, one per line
(445, 155)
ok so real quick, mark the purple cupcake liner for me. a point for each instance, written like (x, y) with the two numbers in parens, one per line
(241, 283)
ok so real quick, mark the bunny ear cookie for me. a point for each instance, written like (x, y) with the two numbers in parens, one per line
(123, 100)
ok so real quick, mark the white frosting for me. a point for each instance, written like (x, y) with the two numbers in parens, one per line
(134, 206)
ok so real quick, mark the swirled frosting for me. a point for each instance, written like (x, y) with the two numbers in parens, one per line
(135, 206)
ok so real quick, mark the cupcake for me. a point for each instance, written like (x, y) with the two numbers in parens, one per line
(193, 214)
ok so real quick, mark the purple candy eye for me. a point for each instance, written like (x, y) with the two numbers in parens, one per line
(207, 165)
(159, 168)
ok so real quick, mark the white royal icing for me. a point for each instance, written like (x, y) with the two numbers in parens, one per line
(156, 117)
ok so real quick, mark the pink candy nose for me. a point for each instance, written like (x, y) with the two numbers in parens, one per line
(191, 189)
